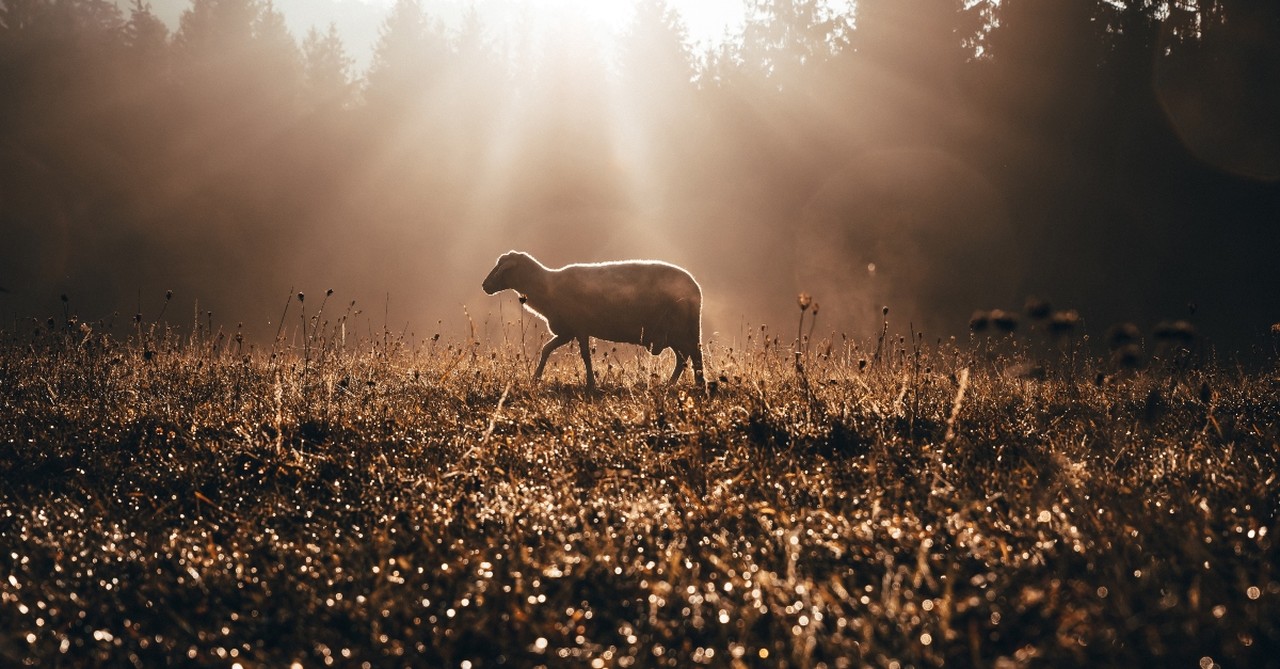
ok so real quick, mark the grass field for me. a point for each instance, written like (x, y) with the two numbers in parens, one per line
(188, 500)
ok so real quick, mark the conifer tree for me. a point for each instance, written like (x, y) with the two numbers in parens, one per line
(327, 76)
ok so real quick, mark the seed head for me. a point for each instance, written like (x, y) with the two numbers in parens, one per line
(1037, 308)
(1063, 322)
(1179, 331)
(301, 297)
(1128, 356)
(815, 308)
(168, 295)
(804, 300)
(1004, 320)
(1122, 334)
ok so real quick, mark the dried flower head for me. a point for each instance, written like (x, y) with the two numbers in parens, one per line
(1122, 334)
(1037, 308)
(1003, 320)
(804, 300)
(1177, 331)
(1062, 322)
(1128, 356)
(301, 297)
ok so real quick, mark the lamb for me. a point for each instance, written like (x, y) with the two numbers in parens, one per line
(654, 304)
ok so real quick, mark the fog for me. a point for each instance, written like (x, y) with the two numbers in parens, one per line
(935, 158)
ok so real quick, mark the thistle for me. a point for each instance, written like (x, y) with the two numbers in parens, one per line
(813, 320)
(804, 300)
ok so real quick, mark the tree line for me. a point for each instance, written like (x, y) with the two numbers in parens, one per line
(934, 154)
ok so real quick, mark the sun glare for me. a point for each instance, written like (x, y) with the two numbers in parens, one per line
(609, 15)
(707, 22)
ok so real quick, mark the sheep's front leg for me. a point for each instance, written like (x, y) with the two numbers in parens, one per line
(557, 342)
(584, 346)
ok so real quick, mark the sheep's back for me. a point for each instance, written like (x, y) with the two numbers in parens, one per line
(649, 303)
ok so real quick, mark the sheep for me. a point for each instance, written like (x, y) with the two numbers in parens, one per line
(647, 302)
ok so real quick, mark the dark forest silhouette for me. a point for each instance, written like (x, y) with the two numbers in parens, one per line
(1123, 161)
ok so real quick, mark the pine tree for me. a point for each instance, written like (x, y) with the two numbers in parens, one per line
(782, 38)
(146, 38)
(409, 58)
(327, 80)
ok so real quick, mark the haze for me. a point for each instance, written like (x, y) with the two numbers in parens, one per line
(708, 23)
(932, 157)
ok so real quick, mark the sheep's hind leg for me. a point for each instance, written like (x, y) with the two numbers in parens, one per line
(680, 363)
(557, 342)
(584, 346)
(697, 367)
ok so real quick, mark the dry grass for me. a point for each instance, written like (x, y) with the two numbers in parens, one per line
(183, 500)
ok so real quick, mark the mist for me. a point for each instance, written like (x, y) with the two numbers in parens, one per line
(935, 158)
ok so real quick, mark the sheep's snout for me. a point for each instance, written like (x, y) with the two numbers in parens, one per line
(491, 284)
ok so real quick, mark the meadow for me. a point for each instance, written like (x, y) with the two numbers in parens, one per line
(190, 499)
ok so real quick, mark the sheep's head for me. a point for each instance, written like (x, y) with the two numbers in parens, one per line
(501, 275)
